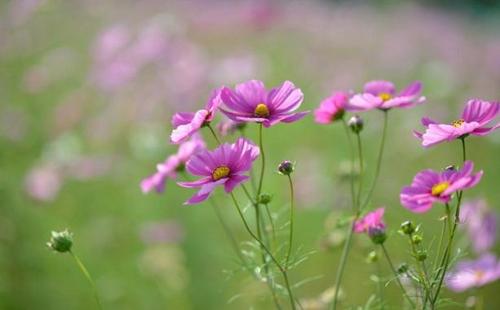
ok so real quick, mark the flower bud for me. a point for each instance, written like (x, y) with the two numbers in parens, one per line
(286, 167)
(61, 241)
(416, 239)
(265, 198)
(355, 123)
(407, 228)
(421, 255)
(377, 234)
(372, 257)
(403, 268)
(450, 168)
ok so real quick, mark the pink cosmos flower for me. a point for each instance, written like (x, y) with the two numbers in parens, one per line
(225, 165)
(476, 114)
(372, 220)
(480, 222)
(431, 186)
(473, 273)
(186, 123)
(251, 102)
(168, 169)
(382, 95)
(332, 108)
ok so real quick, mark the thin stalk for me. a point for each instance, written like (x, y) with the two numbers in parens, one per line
(89, 278)
(263, 156)
(351, 151)
(228, 233)
(213, 133)
(275, 261)
(421, 270)
(292, 207)
(380, 289)
(440, 244)
(360, 150)
(391, 265)
(271, 221)
(355, 208)
(379, 161)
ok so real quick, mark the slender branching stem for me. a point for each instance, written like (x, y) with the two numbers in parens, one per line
(263, 246)
(391, 265)
(214, 134)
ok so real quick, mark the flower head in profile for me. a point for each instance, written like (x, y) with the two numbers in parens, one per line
(473, 273)
(252, 102)
(187, 123)
(431, 186)
(331, 108)
(475, 116)
(169, 168)
(480, 222)
(382, 95)
(225, 165)
(372, 220)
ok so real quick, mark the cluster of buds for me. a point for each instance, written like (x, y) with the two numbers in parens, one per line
(61, 241)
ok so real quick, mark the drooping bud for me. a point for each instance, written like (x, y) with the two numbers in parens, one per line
(450, 168)
(286, 167)
(372, 257)
(61, 241)
(403, 268)
(265, 198)
(377, 234)
(356, 124)
(407, 228)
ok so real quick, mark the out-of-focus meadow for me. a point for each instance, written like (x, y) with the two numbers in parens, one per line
(87, 89)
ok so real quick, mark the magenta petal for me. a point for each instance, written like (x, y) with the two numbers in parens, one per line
(182, 118)
(234, 181)
(183, 132)
(412, 89)
(363, 102)
(286, 98)
(484, 131)
(196, 183)
(294, 117)
(378, 87)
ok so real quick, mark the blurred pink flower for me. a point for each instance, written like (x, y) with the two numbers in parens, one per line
(43, 182)
(480, 223)
(169, 231)
(473, 273)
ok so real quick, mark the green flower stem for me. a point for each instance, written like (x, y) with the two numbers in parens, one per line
(421, 270)
(379, 161)
(446, 257)
(89, 278)
(347, 244)
(292, 207)
(263, 156)
(263, 246)
(213, 133)
(391, 265)
(360, 150)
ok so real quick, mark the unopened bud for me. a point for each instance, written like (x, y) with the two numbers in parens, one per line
(408, 228)
(416, 239)
(286, 167)
(265, 198)
(450, 168)
(403, 268)
(372, 257)
(421, 255)
(61, 241)
(355, 123)
(377, 234)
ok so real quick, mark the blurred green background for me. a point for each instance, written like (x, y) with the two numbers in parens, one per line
(87, 89)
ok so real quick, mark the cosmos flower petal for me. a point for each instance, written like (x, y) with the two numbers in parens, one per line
(183, 132)
(234, 181)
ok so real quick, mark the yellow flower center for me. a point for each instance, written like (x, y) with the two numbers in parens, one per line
(220, 172)
(385, 96)
(479, 274)
(261, 110)
(457, 123)
(439, 188)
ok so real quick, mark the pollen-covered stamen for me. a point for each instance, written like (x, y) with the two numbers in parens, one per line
(439, 188)
(220, 172)
(261, 110)
(385, 96)
(457, 123)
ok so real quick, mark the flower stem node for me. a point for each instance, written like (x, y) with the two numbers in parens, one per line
(356, 124)
(377, 234)
(265, 198)
(372, 257)
(408, 228)
(61, 241)
(416, 239)
(286, 167)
